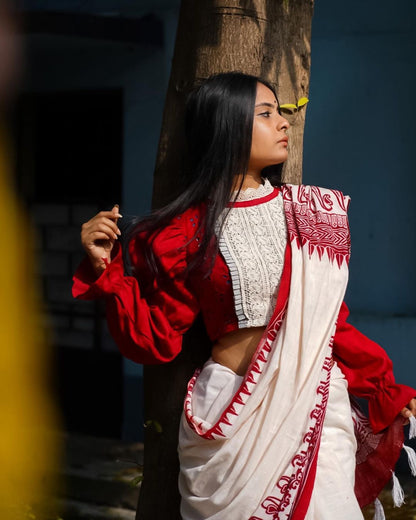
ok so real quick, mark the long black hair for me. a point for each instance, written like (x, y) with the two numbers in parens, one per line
(218, 128)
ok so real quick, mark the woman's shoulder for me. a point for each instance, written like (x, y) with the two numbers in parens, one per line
(181, 228)
(170, 240)
(187, 221)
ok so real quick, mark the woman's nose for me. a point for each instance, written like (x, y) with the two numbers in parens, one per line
(283, 123)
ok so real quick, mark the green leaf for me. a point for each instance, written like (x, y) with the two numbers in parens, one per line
(302, 101)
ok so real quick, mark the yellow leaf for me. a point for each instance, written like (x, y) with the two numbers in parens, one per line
(288, 105)
(302, 101)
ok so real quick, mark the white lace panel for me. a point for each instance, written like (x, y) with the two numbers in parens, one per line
(253, 242)
(253, 193)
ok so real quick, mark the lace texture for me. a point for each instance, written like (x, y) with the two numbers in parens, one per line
(253, 193)
(253, 242)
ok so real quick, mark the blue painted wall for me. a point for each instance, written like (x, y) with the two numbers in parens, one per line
(360, 137)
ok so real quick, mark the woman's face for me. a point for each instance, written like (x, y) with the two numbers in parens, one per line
(269, 141)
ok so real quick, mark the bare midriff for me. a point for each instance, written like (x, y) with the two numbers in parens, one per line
(235, 349)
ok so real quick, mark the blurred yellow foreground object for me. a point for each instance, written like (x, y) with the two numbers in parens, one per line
(28, 451)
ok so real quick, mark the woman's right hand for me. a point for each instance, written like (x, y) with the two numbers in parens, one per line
(98, 236)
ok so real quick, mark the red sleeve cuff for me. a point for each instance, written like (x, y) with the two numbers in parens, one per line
(86, 285)
(369, 372)
(387, 403)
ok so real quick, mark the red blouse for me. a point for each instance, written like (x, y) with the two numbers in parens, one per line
(148, 316)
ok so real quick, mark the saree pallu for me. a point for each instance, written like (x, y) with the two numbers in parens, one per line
(258, 461)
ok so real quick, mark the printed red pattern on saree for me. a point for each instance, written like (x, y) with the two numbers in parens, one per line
(312, 228)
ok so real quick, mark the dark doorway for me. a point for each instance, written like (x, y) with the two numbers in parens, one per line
(69, 166)
(70, 146)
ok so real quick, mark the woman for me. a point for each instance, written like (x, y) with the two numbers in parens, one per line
(267, 430)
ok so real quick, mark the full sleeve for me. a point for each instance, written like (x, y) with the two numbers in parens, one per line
(147, 317)
(369, 372)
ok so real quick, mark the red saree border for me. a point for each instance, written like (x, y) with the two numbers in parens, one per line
(301, 506)
(302, 479)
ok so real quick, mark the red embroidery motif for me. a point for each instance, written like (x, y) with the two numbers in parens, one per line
(311, 195)
(316, 219)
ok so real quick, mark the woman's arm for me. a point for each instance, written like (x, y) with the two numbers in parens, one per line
(369, 372)
(148, 318)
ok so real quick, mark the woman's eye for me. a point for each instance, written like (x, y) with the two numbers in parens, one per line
(265, 114)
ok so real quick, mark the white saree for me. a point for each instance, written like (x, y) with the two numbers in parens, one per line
(257, 461)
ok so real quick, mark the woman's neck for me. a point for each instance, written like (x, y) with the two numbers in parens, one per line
(251, 180)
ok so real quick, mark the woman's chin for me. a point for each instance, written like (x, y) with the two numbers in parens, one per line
(276, 162)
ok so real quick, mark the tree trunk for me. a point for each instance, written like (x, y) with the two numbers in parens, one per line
(267, 38)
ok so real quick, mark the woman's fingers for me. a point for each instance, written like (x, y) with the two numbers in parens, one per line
(406, 413)
(409, 410)
(105, 227)
(412, 406)
(107, 216)
(99, 234)
(114, 213)
(98, 223)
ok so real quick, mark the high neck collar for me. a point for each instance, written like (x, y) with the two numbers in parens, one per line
(253, 193)
(254, 196)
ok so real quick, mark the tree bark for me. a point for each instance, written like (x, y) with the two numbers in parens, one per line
(266, 38)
